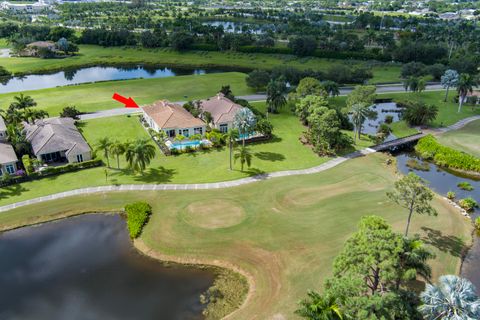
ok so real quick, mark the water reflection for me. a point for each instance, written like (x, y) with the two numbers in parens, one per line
(93, 74)
(86, 268)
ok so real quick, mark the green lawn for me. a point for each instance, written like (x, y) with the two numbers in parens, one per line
(465, 139)
(283, 152)
(98, 96)
(401, 129)
(285, 231)
(95, 55)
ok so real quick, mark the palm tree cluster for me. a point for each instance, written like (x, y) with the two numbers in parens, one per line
(21, 110)
(138, 153)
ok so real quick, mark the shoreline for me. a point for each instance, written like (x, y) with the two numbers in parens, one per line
(140, 246)
(144, 249)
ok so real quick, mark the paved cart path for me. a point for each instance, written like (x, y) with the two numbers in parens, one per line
(216, 185)
(390, 88)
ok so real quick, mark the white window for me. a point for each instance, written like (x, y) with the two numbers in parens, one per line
(79, 157)
(10, 168)
(224, 128)
(198, 130)
(185, 133)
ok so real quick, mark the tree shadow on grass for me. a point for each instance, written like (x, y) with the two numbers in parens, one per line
(156, 175)
(11, 191)
(445, 243)
(254, 172)
(269, 156)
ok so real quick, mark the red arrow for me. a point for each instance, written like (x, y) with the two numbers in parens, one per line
(128, 102)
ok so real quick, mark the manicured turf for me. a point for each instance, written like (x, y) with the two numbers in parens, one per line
(96, 55)
(401, 129)
(283, 152)
(466, 139)
(288, 232)
(98, 96)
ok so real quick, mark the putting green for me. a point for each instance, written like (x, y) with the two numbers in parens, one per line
(214, 214)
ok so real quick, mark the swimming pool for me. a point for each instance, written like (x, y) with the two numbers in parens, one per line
(181, 145)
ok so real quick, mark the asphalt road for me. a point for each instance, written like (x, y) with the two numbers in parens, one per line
(391, 88)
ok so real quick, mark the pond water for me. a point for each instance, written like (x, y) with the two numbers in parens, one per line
(443, 181)
(93, 74)
(86, 268)
(383, 110)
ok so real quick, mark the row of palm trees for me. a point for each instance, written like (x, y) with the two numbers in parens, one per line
(138, 153)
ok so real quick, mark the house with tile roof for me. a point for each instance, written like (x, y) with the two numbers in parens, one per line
(222, 110)
(57, 140)
(173, 119)
(8, 158)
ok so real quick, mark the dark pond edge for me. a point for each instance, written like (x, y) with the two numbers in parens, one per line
(217, 267)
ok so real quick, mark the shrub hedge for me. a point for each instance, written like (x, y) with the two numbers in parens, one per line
(429, 148)
(50, 171)
(137, 216)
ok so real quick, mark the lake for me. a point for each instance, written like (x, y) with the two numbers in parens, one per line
(94, 74)
(86, 268)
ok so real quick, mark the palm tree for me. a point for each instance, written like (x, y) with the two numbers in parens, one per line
(231, 136)
(245, 157)
(18, 139)
(453, 298)
(331, 87)
(30, 115)
(276, 95)
(316, 307)
(139, 154)
(12, 116)
(414, 261)
(244, 121)
(104, 146)
(117, 148)
(465, 85)
(359, 113)
(23, 102)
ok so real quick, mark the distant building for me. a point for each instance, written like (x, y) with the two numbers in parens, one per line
(449, 16)
(223, 111)
(36, 7)
(32, 49)
(57, 140)
(173, 119)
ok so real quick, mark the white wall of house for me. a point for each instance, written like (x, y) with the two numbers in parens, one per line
(183, 131)
(6, 168)
(79, 157)
(188, 132)
(219, 126)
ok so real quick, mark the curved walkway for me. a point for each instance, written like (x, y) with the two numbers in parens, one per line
(216, 185)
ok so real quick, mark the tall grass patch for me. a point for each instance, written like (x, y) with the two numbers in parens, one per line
(430, 149)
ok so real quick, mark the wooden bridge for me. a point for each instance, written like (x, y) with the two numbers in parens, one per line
(400, 143)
